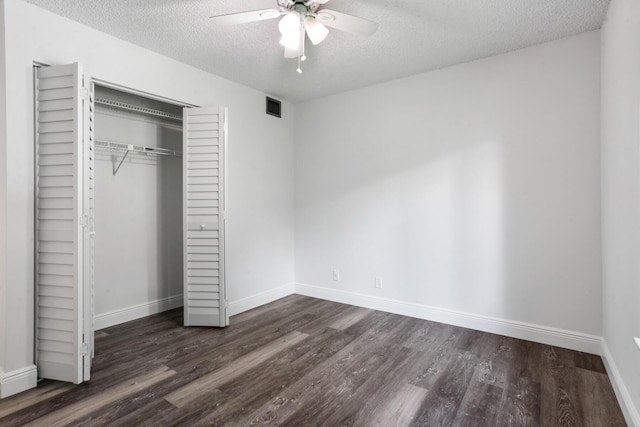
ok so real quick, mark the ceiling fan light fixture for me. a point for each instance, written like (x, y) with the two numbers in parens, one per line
(315, 30)
(292, 43)
(290, 53)
(289, 25)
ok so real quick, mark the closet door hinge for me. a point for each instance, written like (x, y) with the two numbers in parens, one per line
(84, 349)
(84, 93)
(84, 221)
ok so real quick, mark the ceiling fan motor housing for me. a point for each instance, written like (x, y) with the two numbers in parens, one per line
(301, 6)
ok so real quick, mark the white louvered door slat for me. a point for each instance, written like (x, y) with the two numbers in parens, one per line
(60, 233)
(203, 205)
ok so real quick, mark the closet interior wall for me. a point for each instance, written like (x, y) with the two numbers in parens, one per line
(138, 209)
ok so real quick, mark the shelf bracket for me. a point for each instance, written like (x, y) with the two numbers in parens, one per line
(115, 169)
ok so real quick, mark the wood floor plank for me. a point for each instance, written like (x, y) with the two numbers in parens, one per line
(351, 316)
(439, 356)
(373, 397)
(596, 396)
(147, 341)
(163, 322)
(558, 402)
(157, 412)
(495, 368)
(68, 414)
(423, 338)
(32, 397)
(228, 344)
(256, 387)
(330, 313)
(233, 370)
(520, 404)
(589, 362)
(274, 307)
(145, 400)
(153, 410)
(447, 392)
(399, 408)
(479, 406)
(281, 371)
(301, 361)
(400, 365)
(309, 400)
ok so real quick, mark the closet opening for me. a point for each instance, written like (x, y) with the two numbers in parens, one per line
(138, 264)
(129, 214)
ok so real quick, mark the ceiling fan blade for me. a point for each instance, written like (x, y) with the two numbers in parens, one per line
(343, 22)
(290, 53)
(245, 17)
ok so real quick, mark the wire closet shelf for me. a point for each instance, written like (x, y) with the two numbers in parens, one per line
(125, 148)
(135, 149)
(137, 109)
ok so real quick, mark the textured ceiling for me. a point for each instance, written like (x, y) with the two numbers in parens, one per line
(414, 36)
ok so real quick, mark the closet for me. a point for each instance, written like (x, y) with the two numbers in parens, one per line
(138, 201)
(129, 212)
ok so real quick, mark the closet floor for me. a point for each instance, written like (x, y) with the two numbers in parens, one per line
(302, 361)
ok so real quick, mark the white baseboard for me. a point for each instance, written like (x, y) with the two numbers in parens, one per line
(527, 331)
(253, 301)
(116, 317)
(629, 410)
(17, 381)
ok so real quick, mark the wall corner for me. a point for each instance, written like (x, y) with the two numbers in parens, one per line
(629, 409)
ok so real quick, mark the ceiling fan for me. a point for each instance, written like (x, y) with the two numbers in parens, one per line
(301, 19)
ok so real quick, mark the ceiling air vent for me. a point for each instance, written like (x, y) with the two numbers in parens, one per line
(273, 107)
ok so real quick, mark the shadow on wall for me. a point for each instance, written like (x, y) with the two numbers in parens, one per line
(433, 231)
(169, 215)
(471, 219)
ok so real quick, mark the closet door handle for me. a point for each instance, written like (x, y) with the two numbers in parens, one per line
(202, 226)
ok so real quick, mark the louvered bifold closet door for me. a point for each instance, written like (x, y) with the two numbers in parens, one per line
(203, 204)
(59, 231)
(89, 229)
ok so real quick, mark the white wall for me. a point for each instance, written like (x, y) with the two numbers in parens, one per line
(260, 232)
(3, 200)
(621, 198)
(472, 189)
(138, 219)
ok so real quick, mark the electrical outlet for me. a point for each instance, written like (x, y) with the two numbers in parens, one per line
(336, 275)
(377, 282)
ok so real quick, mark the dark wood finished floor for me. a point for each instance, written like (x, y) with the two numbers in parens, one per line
(304, 362)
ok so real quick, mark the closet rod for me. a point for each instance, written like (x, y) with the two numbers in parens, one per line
(138, 109)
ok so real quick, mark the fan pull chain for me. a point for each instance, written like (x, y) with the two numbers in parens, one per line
(303, 40)
(301, 56)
